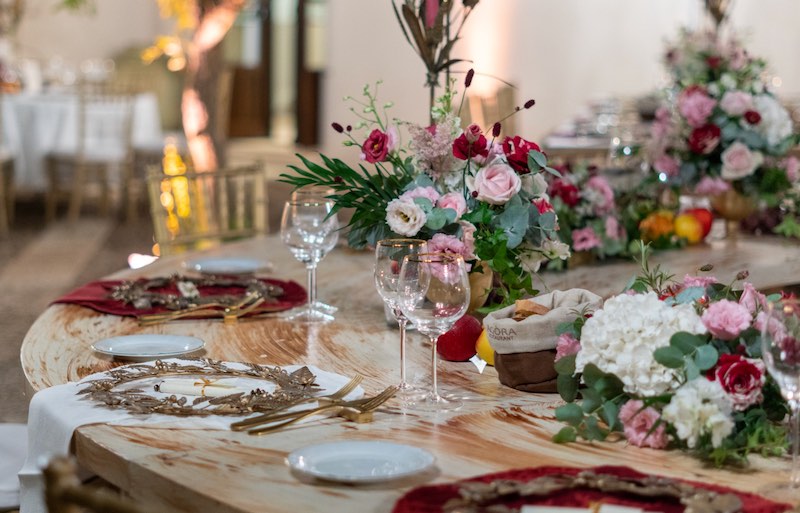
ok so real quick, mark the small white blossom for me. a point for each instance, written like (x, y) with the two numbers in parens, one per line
(553, 249)
(621, 337)
(405, 217)
(530, 258)
(700, 407)
(728, 81)
(775, 124)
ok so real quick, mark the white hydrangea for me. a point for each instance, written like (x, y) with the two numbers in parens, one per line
(700, 407)
(775, 124)
(620, 339)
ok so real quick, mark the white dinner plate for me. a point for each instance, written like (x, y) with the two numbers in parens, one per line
(144, 347)
(360, 462)
(229, 266)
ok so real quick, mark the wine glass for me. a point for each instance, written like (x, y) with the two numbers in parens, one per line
(780, 349)
(389, 254)
(316, 192)
(310, 230)
(433, 292)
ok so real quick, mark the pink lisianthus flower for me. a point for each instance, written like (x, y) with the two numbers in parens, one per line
(726, 319)
(566, 345)
(752, 299)
(792, 167)
(428, 193)
(695, 105)
(614, 230)
(736, 103)
(638, 421)
(584, 239)
(468, 238)
(376, 147)
(662, 124)
(601, 194)
(455, 201)
(708, 186)
(443, 243)
(670, 166)
(698, 281)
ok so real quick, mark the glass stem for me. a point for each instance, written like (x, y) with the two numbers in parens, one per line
(312, 284)
(402, 322)
(434, 380)
(795, 434)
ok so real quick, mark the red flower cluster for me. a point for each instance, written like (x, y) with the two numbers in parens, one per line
(752, 117)
(704, 139)
(741, 378)
(516, 149)
(470, 144)
(568, 192)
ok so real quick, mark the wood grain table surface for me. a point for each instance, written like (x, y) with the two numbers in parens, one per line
(497, 429)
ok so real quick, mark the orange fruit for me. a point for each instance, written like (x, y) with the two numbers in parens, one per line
(689, 227)
(484, 349)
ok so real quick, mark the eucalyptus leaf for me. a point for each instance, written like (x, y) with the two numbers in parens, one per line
(567, 387)
(692, 371)
(538, 157)
(669, 356)
(610, 414)
(570, 413)
(690, 294)
(565, 435)
(514, 222)
(424, 203)
(565, 365)
(686, 342)
(706, 357)
(436, 219)
(591, 374)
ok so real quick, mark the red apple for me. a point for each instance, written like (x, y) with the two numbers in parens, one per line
(704, 216)
(458, 344)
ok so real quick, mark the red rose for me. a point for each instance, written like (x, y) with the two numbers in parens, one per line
(376, 147)
(543, 206)
(568, 193)
(713, 61)
(741, 378)
(471, 143)
(752, 117)
(516, 150)
(704, 139)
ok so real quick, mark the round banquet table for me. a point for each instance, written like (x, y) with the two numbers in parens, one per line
(497, 429)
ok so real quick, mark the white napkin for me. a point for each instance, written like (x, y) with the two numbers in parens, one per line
(57, 411)
(13, 447)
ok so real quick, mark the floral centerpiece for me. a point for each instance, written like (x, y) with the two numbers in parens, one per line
(466, 191)
(587, 211)
(673, 365)
(726, 130)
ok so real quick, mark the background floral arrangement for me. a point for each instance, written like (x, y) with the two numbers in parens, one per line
(683, 372)
(466, 191)
(725, 128)
(587, 211)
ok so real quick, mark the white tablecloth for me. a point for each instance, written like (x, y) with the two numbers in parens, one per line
(37, 124)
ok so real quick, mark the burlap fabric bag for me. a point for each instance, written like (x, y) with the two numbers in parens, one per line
(525, 350)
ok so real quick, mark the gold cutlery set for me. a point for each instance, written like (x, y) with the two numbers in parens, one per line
(230, 314)
(358, 410)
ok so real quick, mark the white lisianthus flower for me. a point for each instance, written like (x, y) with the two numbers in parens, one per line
(530, 258)
(405, 217)
(553, 249)
(621, 337)
(728, 81)
(700, 407)
(775, 124)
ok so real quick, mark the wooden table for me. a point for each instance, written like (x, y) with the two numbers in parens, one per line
(498, 429)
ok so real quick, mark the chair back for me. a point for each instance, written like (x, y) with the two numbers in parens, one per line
(192, 210)
(105, 120)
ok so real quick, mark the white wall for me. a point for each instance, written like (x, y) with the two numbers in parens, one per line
(563, 53)
(114, 26)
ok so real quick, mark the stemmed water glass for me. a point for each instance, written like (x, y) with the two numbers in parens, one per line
(780, 349)
(310, 230)
(316, 192)
(389, 254)
(433, 292)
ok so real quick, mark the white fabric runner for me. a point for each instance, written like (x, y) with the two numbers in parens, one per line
(56, 412)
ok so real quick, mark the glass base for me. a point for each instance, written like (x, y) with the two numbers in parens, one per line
(325, 308)
(308, 315)
(781, 492)
(436, 403)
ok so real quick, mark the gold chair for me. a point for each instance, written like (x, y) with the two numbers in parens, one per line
(64, 493)
(192, 210)
(105, 117)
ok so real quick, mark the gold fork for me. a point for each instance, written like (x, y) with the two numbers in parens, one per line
(332, 398)
(365, 407)
(245, 304)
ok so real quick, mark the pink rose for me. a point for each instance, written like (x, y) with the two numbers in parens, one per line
(698, 281)
(638, 421)
(471, 143)
(454, 201)
(695, 105)
(584, 239)
(497, 184)
(738, 161)
(708, 186)
(600, 194)
(542, 205)
(670, 166)
(704, 139)
(662, 124)
(442, 243)
(468, 238)
(566, 345)
(736, 103)
(741, 378)
(726, 319)
(376, 147)
(752, 299)
(428, 193)
(792, 167)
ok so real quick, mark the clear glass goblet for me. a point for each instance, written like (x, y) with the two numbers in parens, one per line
(310, 230)
(433, 292)
(780, 349)
(389, 254)
(316, 192)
